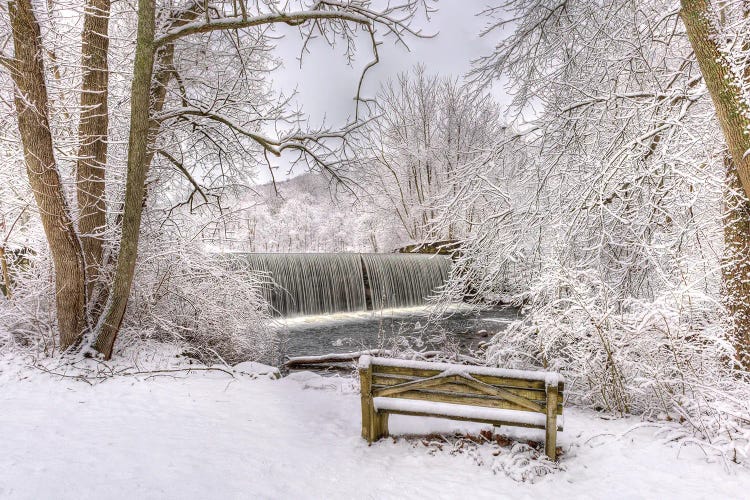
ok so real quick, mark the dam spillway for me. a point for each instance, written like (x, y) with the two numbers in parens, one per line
(316, 283)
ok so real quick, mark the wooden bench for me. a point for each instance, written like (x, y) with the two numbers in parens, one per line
(471, 393)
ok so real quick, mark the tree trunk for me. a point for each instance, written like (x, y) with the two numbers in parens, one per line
(734, 119)
(92, 136)
(155, 75)
(33, 125)
(736, 263)
(731, 110)
(5, 274)
(138, 164)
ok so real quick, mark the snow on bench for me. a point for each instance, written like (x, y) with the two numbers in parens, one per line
(473, 393)
(554, 377)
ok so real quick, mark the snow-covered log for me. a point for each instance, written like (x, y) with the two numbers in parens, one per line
(343, 357)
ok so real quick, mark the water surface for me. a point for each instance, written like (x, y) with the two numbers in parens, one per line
(463, 330)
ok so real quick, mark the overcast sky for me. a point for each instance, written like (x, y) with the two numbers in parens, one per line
(326, 84)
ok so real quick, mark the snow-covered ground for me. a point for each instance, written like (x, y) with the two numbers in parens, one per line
(207, 434)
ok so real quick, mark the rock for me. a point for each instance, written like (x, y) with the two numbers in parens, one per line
(256, 369)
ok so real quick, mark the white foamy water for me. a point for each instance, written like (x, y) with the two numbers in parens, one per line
(308, 284)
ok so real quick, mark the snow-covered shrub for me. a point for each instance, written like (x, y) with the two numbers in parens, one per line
(666, 358)
(27, 321)
(207, 302)
(625, 356)
(181, 295)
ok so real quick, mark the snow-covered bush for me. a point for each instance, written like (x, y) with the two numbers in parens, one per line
(27, 320)
(630, 356)
(206, 305)
(207, 302)
(667, 358)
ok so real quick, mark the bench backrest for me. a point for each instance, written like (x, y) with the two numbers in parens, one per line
(467, 385)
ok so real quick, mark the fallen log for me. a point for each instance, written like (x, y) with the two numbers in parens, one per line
(334, 357)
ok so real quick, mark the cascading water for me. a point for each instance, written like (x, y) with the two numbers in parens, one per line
(310, 283)
(402, 280)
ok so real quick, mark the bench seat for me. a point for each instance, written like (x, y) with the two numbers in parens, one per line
(493, 416)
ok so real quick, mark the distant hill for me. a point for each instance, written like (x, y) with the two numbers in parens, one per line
(310, 213)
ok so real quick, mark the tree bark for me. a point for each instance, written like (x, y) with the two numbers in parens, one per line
(30, 95)
(736, 263)
(734, 118)
(140, 155)
(92, 136)
(731, 110)
(5, 274)
(138, 164)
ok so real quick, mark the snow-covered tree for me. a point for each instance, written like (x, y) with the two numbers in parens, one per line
(718, 33)
(426, 128)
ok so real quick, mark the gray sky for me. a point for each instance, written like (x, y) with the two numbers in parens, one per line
(326, 84)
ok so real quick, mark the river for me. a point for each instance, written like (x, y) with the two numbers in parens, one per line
(462, 331)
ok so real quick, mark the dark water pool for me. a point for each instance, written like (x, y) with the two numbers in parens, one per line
(462, 331)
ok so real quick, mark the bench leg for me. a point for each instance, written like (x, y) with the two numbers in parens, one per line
(374, 425)
(550, 439)
(369, 422)
(369, 416)
(381, 420)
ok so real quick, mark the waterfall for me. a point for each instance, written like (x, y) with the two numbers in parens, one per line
(311, 283)
(402, 280)
(315, 283)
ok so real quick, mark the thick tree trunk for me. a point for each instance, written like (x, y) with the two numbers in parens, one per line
(92, 135)
(731, 110)
(736, 263)
(33, 125)
(160, 72)
(138, 164)
(734, 118)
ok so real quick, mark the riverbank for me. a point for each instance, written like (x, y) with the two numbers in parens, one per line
(219, 433)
